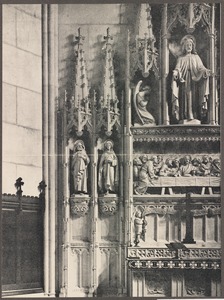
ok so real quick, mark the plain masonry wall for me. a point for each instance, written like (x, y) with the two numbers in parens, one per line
(22, 99)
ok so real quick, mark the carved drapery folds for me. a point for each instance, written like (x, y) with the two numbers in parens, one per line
(79, 205)
(144, 52)
(108, 115)
(79, 105)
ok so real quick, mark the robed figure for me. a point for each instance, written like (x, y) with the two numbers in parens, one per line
(79, 164)
(108, 169)
(141, 99)
(190, 84)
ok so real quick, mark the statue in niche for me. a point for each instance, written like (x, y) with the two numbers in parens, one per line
(190, 85)
(146, 174)
(108, 169)
(79, 164)
(140, 228)
(141, 99)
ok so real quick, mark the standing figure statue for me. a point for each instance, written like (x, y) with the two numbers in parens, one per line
(108, 169)
(190, 85)
(79, 164)
(141, 99)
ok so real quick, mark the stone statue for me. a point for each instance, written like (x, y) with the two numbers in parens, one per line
(216, 167)
(140, 228)
(108, 169)
(79, 163)
(141, 99)
(190, 85)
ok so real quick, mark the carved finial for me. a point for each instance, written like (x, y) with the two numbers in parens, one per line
(108, 36)
(18, 185)
(80, 37)
(41, 187)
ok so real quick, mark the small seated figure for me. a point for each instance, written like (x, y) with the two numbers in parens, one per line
(196, 163)
(166, 169)
(136, 168)
(205, 167)
(186, 168)
(216, 167)
(158, 163)
(141, 99)
(146, 175)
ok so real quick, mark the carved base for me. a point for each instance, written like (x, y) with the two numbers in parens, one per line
(79, 205)
(190, 122)
(108, 205)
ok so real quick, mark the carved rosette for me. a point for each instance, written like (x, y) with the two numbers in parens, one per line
(108, 205)
(79, 205)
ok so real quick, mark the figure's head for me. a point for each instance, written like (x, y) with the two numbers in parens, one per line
(176, 162)
(155, 159)
(188, 44)
(169, 162)
(187, 159)
(146, 89)
(205, 159)
(159, 158)
(144, 158)
(108, 145)
(79, 145)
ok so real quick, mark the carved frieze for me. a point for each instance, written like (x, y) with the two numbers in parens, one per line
(175, 264)
(176, 133)
(108, 205)
(79, 205)
(207, 210)
(165, 253)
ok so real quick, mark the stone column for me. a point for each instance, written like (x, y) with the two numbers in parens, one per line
(49, 84)
(128, 174)
(165, 66)
(212, 117)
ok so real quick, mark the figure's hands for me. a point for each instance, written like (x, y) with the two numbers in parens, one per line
(175, 74)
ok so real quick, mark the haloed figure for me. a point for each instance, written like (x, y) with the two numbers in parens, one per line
(79, 164)
(190, 85)
(108, 169)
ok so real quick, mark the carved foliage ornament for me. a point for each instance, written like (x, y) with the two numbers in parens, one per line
(108, 206)
(79, 205)
(189, 15)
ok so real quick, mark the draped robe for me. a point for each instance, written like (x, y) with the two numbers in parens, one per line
(190, 89)
(80, 161)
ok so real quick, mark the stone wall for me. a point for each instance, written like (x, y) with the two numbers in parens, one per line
(22, 101)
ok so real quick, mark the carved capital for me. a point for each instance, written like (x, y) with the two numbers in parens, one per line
(108, 205)
(79, 205)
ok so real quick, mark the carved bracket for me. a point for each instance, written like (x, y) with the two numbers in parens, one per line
(79, 205)
(108, 205)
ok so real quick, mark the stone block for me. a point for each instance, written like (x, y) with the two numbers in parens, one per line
(21, 68)
(8, 178)
(89, 14)
(32, 9)
(29, 109)
(8, 24)
(9, 103)
(28, 33)
(21, 145)
(31, 177)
